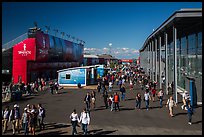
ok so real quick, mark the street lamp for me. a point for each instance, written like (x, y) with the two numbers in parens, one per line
(110, 45)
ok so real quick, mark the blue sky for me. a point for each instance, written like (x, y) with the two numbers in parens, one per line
(124, 24)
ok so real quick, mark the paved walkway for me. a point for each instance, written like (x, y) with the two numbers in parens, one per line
(128, 121)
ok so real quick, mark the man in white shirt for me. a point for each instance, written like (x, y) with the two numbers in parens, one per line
(147, 98)
(185, 98)
(85, 120)
(110, 86)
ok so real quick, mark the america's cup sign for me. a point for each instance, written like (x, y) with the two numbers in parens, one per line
(24, 52)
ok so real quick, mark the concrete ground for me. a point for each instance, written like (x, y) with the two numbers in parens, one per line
(127, 121)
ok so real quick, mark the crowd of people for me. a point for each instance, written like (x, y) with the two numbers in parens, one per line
(31, 118)
(129, 78)
(13, 92)
(108, 90)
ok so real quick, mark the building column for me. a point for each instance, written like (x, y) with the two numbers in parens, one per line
(149, 70)
(160, 82)
(175, 63)
(166, 62)
(155, 59)
(152, 60)
(148, 59)
(92, 75)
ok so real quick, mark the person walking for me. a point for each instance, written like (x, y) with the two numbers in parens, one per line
(110, 101)
(87, 100)
(105, 99)
(120, 82)
(14, 118)
(41, 116)
(103, 87)
(185, 98)
(160, 96)
(5, 113)
(25, 119)
(51, 87)
(56, 87)
(33, 119)
(93, 99)
(138, 101)
(74, 121)
(153, 94)
(99, 87)
(131, 84)
(146, 99)
(190, 111)
(110, 86)
(123, 91)
(116, 100)
(85, 121)
(171, 103)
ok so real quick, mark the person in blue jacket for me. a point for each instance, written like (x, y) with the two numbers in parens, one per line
(190, 111)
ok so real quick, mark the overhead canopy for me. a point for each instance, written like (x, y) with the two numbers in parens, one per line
(183, 20)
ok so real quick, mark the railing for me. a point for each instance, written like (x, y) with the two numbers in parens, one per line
(10, 44)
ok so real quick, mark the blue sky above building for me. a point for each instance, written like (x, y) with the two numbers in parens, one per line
(124, 24)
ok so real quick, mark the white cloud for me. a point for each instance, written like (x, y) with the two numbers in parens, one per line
(125, 53)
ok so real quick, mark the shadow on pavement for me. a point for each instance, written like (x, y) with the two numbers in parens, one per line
(99, 108)
(121, 109)
(96, 109)
(197, 122)
(180, 114)
(129, 99)
(104, 132)
(98, 132)
(154, 107)
(198, 106)
(53, 133)
(62, 92)
(94, 131)
(50, 126)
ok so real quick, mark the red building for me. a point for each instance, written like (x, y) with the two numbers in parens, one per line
(40, 56)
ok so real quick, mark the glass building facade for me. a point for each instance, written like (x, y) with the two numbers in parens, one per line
(176, 47)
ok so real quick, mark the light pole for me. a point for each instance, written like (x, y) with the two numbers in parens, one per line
(110, 45)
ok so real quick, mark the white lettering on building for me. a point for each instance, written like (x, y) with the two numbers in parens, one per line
(24, 52)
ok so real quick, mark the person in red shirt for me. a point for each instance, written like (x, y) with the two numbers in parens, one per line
(112, 78)
(116, 100)
(153, 94)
